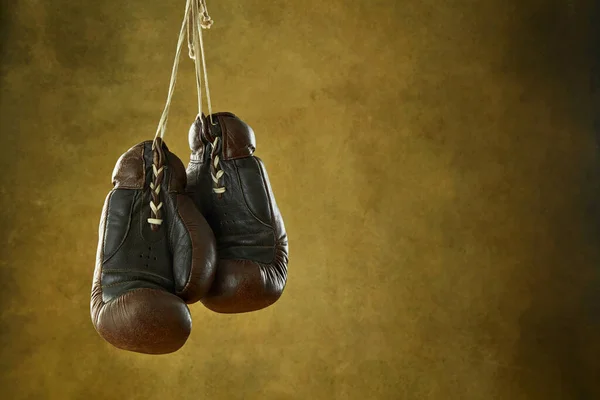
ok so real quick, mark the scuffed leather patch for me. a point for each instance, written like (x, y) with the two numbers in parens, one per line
(238, 137)
(129, 172)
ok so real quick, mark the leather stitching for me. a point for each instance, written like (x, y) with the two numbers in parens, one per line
(246, 201)
(269, 195)
(134, 272)
(119, 283)
(101, 263)
(246, 246)
(173, 206)
(189, 236)
(135, 196)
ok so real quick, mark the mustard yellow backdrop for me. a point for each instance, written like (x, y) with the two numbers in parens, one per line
(435, 163)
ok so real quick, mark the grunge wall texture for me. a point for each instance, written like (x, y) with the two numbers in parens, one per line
(435, 161)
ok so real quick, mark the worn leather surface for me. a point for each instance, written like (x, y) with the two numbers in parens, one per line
(143, 278)
(251, 239)
(435, 163)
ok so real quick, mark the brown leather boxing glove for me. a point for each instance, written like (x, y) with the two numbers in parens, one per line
(146, 272)
(231, 188)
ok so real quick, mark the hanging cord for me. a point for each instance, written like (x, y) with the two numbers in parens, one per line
(162, 124)
(195, 47)
(206, 24)
(158, 158)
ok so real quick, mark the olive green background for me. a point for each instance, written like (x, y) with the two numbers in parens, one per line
(435, 163)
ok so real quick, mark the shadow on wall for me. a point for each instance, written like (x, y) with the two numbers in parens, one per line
(7, 11)
(594, 53)
(559, 331)
(27, 334)
(6, 7)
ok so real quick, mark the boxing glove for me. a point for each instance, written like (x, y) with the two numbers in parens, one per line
(231, 188)
(155, 254)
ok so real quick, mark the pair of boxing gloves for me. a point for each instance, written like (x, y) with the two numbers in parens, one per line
(170, 237)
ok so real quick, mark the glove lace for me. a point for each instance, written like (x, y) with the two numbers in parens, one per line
(158, 167)
(215, 169)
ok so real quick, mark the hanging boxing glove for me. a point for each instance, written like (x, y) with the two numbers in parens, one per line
(231, 188)
(155, 254)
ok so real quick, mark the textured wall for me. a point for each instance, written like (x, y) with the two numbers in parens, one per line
(434, 161)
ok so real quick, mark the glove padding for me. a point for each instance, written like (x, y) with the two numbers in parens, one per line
(145, 275)
(231, 188)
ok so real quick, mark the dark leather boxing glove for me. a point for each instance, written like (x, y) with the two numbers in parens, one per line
(146, 272)
(231, 188)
